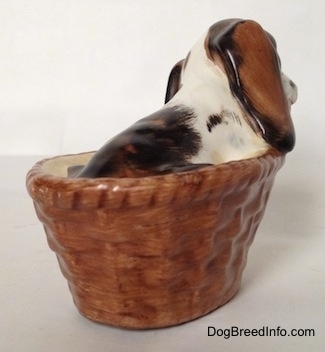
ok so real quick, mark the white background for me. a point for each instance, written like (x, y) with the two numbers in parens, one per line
(73, 74)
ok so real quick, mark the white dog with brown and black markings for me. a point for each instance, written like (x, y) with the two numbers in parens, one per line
(228, 100)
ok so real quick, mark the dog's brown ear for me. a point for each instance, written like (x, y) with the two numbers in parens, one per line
(252, 65)
(174, 81)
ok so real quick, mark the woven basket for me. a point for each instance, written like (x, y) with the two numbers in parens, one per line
(154, 251)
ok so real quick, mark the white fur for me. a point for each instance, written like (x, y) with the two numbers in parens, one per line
(205, 89)
(290, 89)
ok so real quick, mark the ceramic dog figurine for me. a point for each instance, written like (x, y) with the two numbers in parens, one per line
(228, 100)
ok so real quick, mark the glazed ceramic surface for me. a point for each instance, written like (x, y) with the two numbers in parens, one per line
(154, 229)
(228, 100)
(153, 251)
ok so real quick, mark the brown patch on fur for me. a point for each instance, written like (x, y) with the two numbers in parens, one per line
(259, 71)
(129, 148)
(253, 68)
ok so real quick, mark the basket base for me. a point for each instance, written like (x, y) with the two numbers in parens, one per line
(143, 322)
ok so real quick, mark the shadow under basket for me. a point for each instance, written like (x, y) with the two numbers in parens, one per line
(154, 251)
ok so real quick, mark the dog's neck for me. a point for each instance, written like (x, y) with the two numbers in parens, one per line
(220, 120)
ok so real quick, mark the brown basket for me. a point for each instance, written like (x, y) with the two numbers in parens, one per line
(154, 251)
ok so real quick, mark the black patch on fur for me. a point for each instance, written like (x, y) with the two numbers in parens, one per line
(213, 120)
(224, 117)
(153, 144)
(174, 80)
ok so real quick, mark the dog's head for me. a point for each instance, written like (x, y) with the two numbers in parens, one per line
(247, 55)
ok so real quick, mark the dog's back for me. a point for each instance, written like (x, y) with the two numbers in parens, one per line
(162, 142)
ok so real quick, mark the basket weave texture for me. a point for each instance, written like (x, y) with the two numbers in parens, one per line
(155, 251)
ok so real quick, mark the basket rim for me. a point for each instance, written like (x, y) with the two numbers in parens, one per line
(47, 188)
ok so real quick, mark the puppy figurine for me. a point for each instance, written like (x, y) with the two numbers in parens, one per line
(228, 100)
